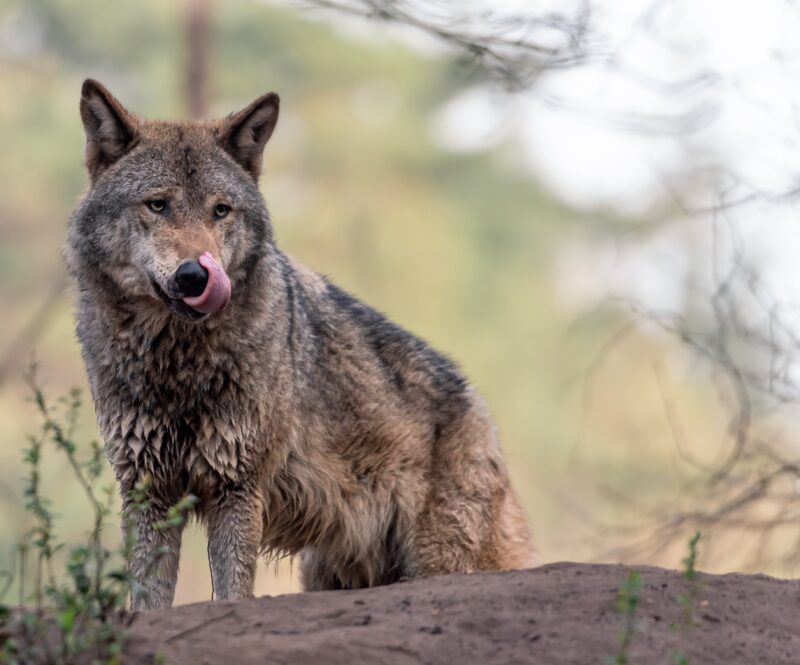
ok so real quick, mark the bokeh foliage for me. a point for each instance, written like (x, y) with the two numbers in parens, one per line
(459, 248)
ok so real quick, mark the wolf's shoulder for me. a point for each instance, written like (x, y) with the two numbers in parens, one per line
(396, 347)
(336, 314)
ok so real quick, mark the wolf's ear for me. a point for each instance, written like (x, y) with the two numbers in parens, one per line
(110, 129)
(244, 134)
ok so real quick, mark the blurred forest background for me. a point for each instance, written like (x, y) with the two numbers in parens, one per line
(630, 416)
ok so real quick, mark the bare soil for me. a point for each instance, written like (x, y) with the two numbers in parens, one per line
(559, 613)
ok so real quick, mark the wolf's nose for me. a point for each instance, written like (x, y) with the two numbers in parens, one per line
(191, 278)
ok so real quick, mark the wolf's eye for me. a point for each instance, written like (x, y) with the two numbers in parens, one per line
(158, 206)
(221, 211)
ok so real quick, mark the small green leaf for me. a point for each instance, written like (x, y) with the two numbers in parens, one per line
(66, 619)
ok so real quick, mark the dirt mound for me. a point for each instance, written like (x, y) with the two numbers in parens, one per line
(559, 613)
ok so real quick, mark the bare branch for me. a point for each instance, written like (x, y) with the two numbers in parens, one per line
(511, 48)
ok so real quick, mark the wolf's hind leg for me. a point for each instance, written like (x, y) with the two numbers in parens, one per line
(468, 535)
(471, 519)
(234, 525)
(442, 545)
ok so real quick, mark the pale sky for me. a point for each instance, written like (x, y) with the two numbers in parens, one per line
(749, 52)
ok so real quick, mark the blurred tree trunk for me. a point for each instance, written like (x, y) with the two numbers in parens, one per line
(197, 28)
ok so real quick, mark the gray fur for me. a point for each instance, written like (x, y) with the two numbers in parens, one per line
(303, 420)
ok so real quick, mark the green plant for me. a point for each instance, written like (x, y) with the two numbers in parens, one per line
(80, 614)
(688, 597)
(627, 605)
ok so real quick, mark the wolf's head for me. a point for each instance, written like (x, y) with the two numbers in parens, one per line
(173, 216)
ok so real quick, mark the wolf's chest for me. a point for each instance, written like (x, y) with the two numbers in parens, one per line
(172, 447)
(179, 416)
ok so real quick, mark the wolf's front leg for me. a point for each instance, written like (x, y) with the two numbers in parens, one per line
(154, 558)
(234, 524)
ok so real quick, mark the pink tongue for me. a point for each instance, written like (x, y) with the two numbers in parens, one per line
(217, 293)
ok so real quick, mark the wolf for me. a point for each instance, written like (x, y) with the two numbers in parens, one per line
(304, 421)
